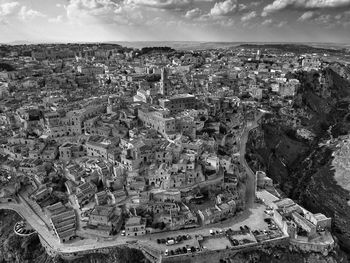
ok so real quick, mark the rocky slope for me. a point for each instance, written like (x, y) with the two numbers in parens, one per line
(285, 255)
(16, 249)
(117, 256)
(302, 168)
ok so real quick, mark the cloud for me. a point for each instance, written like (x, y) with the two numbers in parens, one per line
(86, 9)
(248, 16)
(345, 15)
(161, 4)
(323, 19)
(278, 5)
(257, 3)
(242, 7)
(306, 16)
(282, 24)
(91, 7)
(28, 14)
(194, 13)
(267, 22)
(55, 20)
(224, 8)
(9, 8)
(116, 12)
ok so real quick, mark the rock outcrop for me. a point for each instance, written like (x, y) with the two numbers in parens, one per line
(302, 168)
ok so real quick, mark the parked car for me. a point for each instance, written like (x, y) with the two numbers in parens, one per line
(273, 227)
(235, 242)
(17, 228)
(268, 220)
(170, 242)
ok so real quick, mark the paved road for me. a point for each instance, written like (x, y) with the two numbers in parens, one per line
(70, 247)
(250, 183)
(33, 220)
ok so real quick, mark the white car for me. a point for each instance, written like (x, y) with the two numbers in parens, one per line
(166, 253)
(123, 233)
(170, 242)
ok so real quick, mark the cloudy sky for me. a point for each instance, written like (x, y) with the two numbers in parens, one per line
(182, 20)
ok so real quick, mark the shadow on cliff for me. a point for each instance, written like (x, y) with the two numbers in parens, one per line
(302, 169)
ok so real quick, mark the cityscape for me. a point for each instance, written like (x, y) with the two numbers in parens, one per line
(154, 150)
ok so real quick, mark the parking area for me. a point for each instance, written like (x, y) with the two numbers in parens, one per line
(238, 228)
(184, 243)
(23, 228)
(215, 243)
(267, 234)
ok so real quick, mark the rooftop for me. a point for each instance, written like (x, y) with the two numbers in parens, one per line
(134, 221)
(102, 210)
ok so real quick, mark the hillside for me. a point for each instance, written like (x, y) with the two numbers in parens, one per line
(302, 168)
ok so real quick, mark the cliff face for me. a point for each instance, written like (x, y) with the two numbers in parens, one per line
(285, 255)
(14, 248)
(125, 255)
(302, 168)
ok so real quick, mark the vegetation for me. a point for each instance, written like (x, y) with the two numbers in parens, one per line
(6, 67)
(296, 48)
(147, 50)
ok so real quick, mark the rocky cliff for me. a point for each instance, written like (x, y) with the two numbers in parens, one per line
(302, 167)
(285, 255)
(16, 249)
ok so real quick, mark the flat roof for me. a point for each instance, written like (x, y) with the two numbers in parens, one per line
(284, 202)
(320, 216)
(133, 221)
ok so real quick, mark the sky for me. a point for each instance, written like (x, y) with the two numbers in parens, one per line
(175, 20)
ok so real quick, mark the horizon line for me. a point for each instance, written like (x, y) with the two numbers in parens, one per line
(26, 42)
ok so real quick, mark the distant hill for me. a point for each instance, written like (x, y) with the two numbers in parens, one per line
(198, 45)
(179, 45)
(202, 45)
(296, 48)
